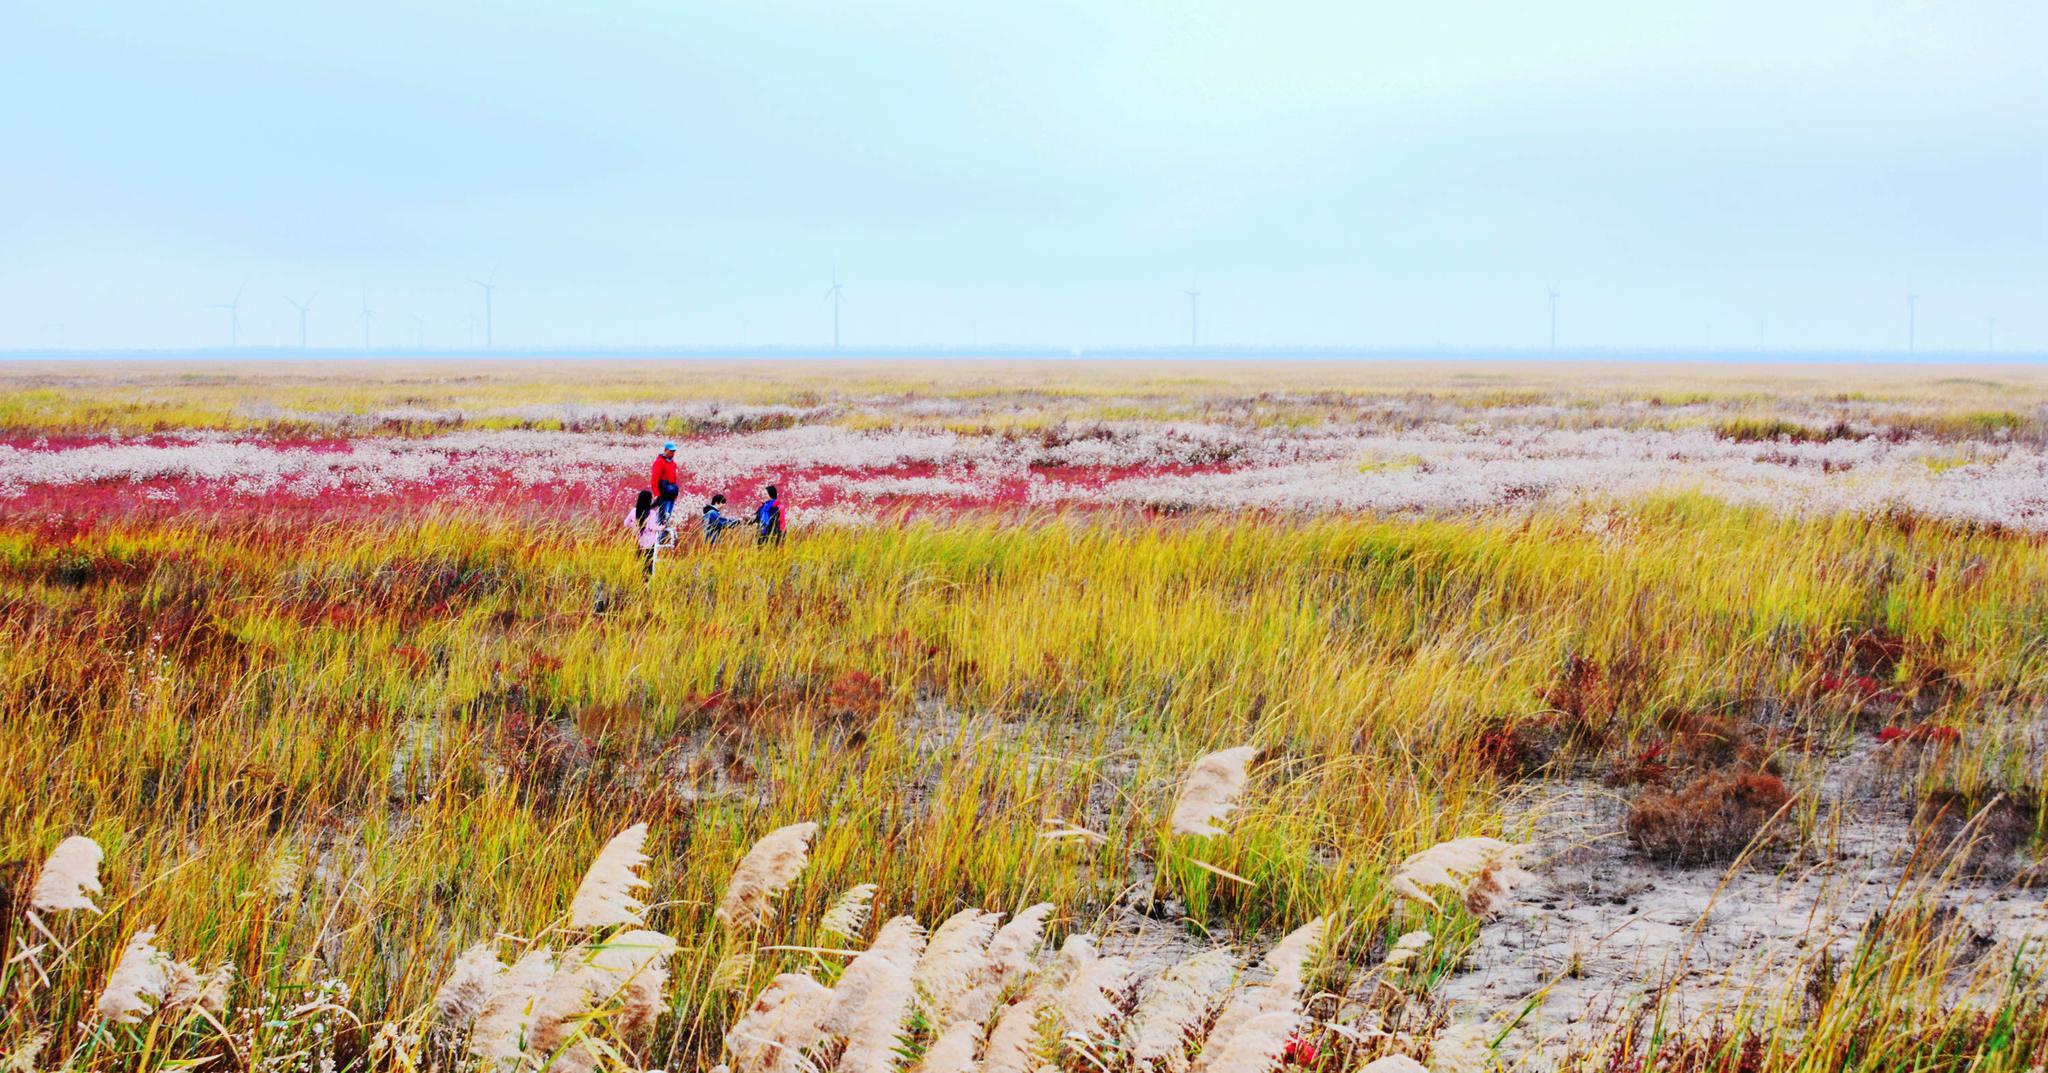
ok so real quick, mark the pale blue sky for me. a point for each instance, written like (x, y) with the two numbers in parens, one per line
(1685, 173)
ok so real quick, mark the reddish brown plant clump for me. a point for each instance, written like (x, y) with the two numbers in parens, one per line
(1712, 818)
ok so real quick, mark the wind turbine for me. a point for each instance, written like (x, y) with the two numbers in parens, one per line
(833, 293)
(488, 285)
(234, 309)
(366, 318)
(1553, 314)
(419, 327)
(302, 307)
(1194, 304)
(1912, 322)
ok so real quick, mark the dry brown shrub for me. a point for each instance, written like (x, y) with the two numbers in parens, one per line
(1712, 818)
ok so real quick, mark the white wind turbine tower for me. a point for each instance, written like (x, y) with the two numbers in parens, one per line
(833, 293)
(1194, 305)
(1553, 314)
(1912, 322)
(234, 309)
(302, 307)
(419, 327)
(366, 318)
(488, 285)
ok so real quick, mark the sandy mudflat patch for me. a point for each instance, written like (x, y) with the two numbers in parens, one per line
(1603, 932)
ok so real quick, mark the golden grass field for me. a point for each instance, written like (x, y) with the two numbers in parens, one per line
(337, 749)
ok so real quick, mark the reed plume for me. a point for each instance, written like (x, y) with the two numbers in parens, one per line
(1087, 1004)
(873, 996)
(23, 1058)
(68, 876)
(1210, 791)
(622, 978)
(470, 983)
(1013, 1043)
(190, 989)
(605, 897)
(1006, 962)
(140, 981)
(763, 874)
(783, 1020)
(1281, 994)
(1481, 870)
(1291, 954)
(953, 961)
(1172, 1003)
(503, 1022)
(213, 997)
(1394, 1063)
(1256, 1045)
(953, 1051)
(1011, 950)
(281, 878)
(847, 917)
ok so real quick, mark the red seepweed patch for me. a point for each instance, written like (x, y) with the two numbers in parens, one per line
(1921, 734)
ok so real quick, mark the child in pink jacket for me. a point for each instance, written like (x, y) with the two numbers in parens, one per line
(645, 522)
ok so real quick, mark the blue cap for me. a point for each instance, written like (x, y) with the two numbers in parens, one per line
(669, 446)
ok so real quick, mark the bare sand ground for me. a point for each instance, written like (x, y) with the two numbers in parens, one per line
(1602, 932)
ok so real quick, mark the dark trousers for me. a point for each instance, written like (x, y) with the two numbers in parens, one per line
(665, 503)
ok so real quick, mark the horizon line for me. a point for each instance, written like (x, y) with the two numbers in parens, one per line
(1206, 352)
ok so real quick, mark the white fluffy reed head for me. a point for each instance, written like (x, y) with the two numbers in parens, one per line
(953, 961)
(1011, 950)
(605, 898)
(139, 981)
(1087, 1004)
(783, 1020)
(1279, 995)
(1013, 1042)
(872, 998)
(953, 1051)
(1405, 950)
(499, 1037)
(71, 872)
(191, 989)
(1291, 954)
(1481, 870)
(469, 985)
(872, 973)
(213, 996)
(763, 874)
(23, 1058)
(847, 916)
(1256, 1045)
(875, 1038)
(1210, 791)
(1394, 1063)
(1172, 1003)
(624, 978)
(1006, 962)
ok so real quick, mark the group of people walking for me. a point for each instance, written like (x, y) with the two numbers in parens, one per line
(654, 508)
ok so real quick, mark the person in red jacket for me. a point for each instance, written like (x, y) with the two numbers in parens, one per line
(663, 481)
